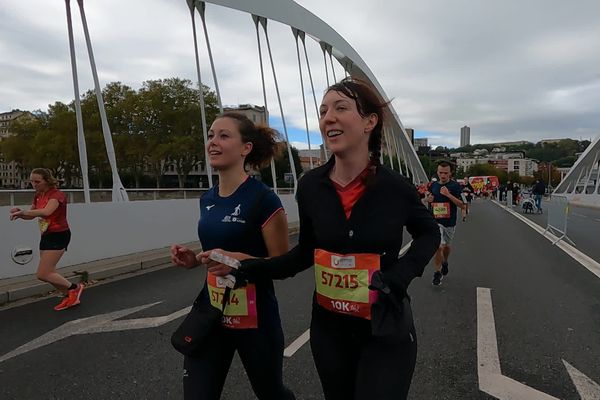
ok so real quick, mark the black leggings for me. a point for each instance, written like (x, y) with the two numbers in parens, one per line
(354, 365)
(261, 352)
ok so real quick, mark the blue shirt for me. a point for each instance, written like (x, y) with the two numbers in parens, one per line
(227, 223)
(444, 210)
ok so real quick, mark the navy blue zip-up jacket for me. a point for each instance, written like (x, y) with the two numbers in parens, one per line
(390, 203)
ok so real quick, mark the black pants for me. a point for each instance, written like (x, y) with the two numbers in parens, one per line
(354, 365)
(261, 352)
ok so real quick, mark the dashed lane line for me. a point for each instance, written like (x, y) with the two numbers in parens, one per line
(296, 344)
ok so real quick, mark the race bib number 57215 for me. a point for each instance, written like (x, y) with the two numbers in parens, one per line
(342, 282)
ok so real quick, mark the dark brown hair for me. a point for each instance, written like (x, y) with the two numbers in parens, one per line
(367, 103)
(446, 163)
(47, 176)
(264, 140)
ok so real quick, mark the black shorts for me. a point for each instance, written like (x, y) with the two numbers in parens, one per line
(55, 240)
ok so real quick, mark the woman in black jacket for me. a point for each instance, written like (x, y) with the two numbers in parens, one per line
(352, 213)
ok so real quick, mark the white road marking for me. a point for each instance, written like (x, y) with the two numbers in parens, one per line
(587, 388)
(404, 249)
(592, 265)
(491, 380)
(296, 344)
(95, 324)
(140, 323)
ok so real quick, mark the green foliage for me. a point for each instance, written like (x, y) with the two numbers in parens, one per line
(282, 165)
(159, 122)
(562, 153)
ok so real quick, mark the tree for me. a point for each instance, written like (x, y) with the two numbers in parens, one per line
(45, 140)
(282, 165)
(482, 170)
(546, 170)
(170, 118)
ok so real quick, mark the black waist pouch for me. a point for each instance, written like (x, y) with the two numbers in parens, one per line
(203, 319)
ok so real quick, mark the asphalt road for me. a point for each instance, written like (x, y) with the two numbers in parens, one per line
(546, 308)
(583, 227)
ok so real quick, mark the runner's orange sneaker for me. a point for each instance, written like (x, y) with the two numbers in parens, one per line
(63, 304)
(72, 298)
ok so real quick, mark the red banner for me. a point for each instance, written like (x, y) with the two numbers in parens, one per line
(484, 183)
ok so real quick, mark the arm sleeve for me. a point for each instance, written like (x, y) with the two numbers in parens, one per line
(289, 264)
(426, 239)
(58, 196)
(270, 204)
(457, 192)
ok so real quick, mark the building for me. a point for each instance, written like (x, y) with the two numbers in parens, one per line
(465, 136)
(420, 142)
(256, 114)
(305, 158)
(411, 134)
(517, 143)
(510, 163)
(465, 163)
(11, 175)
(524, 166)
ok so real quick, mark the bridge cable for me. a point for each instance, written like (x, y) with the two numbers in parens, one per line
(263, 22)
(323, 47)
(386, 136)
(209, 171)
(312, 86)
(297, 33)
(256, 18)
(118, 191)
(80, 135)
(398, 157)
(590, 174)
(332, 67)
(202, 10)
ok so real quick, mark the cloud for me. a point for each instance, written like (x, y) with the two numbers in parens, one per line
(511, 70)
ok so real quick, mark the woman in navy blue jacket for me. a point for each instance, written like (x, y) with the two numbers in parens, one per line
(352, 214)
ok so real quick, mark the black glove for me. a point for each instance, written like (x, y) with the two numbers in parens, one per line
(246, 272)
(377, 283)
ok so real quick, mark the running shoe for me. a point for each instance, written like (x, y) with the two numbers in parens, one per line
(63, 304)
(72, 298)
(437, 278)
(445, 268)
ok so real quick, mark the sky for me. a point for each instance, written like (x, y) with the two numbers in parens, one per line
(511, 70)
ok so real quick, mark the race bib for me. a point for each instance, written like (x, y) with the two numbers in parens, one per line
(441, 210)
(342, 282)
(43, 224)
(240, 310)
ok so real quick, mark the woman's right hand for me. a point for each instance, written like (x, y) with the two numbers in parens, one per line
(183, 257)
(15, 213)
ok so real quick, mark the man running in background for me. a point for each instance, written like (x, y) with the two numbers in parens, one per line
(444, 197)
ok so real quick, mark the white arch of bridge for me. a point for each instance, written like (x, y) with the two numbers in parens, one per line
(302, 23)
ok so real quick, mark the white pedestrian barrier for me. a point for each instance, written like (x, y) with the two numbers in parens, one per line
(558, 215)
(509, 198)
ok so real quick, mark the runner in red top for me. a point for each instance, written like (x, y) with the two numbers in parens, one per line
(50, 208)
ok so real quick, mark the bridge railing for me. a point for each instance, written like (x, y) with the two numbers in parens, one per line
(25, 196)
